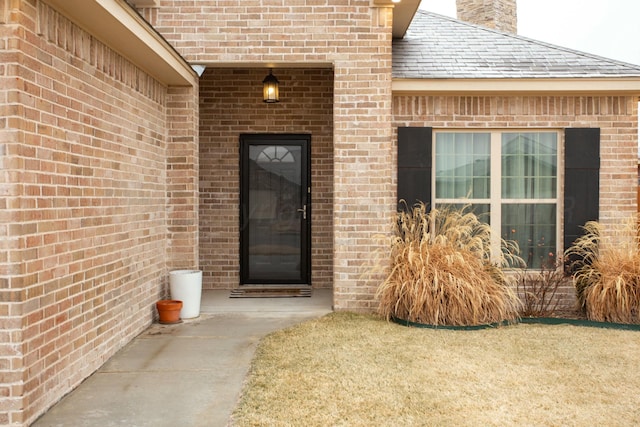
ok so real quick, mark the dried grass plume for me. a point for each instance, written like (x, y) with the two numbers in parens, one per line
(607, 274)
(441, 270)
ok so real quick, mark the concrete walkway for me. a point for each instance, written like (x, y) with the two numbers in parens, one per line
(189, 374)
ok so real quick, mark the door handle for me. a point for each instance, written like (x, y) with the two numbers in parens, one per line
(304, 211)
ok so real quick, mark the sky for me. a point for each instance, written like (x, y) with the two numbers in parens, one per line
(607, 28)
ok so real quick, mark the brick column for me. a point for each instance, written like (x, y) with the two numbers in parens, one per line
(13, 247)
(363, 165)
(13, 253)
(182, 178)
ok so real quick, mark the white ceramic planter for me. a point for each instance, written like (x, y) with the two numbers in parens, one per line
(186, 286)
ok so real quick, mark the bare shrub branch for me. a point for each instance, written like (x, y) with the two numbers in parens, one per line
(538, 290)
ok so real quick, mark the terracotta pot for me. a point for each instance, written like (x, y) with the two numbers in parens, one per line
(169, 310)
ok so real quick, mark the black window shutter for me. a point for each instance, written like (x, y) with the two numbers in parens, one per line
(414, 165)
(582, 181)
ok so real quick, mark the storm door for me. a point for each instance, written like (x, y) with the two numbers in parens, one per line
(275, 211)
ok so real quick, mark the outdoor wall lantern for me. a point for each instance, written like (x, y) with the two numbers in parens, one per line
(270, 90)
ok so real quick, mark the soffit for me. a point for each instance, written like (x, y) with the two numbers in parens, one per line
(403, 14)
(117, 25)
(145, 3)
(552, 86)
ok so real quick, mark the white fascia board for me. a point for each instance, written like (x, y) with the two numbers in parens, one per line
(118, 26)
(556, 86)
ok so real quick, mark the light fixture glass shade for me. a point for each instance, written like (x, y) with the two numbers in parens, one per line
(270, 90)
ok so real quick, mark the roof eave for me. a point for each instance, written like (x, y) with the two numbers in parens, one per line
(118, 26)
(403, 13)
(555, 86)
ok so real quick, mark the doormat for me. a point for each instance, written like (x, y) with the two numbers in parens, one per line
(270, 292)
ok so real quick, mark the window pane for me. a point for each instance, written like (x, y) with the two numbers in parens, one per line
(534, 228)
(463, 165)
(529, 165)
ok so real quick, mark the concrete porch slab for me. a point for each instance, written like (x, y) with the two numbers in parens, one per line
(188, 374)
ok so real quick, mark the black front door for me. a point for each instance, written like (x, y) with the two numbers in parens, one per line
(275, 211)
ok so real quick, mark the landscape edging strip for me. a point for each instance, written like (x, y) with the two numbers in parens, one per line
(580, 322)
(525, 320)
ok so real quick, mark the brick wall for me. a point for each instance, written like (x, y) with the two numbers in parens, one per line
(11, 292)
(182, 165)
(500, 15)
(616, 116)
(355, 40)
(83, 147)
(231, 104)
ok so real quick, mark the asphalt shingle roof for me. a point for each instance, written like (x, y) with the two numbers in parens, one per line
(437, 46)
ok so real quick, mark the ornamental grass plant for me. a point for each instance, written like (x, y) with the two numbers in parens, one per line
(442, 272)
(607, 276)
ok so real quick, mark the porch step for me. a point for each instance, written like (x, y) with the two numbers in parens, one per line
(270, 291)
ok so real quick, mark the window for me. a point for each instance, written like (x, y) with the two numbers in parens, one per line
(274, 154)
(508, 178)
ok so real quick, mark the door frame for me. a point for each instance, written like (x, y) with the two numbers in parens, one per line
(245, 141)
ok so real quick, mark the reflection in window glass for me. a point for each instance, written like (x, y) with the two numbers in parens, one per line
(529, 165)
(533, 227)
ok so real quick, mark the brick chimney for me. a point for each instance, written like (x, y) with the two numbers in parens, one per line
(500, 15)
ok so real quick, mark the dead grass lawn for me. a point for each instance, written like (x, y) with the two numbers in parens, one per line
(356, 370)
